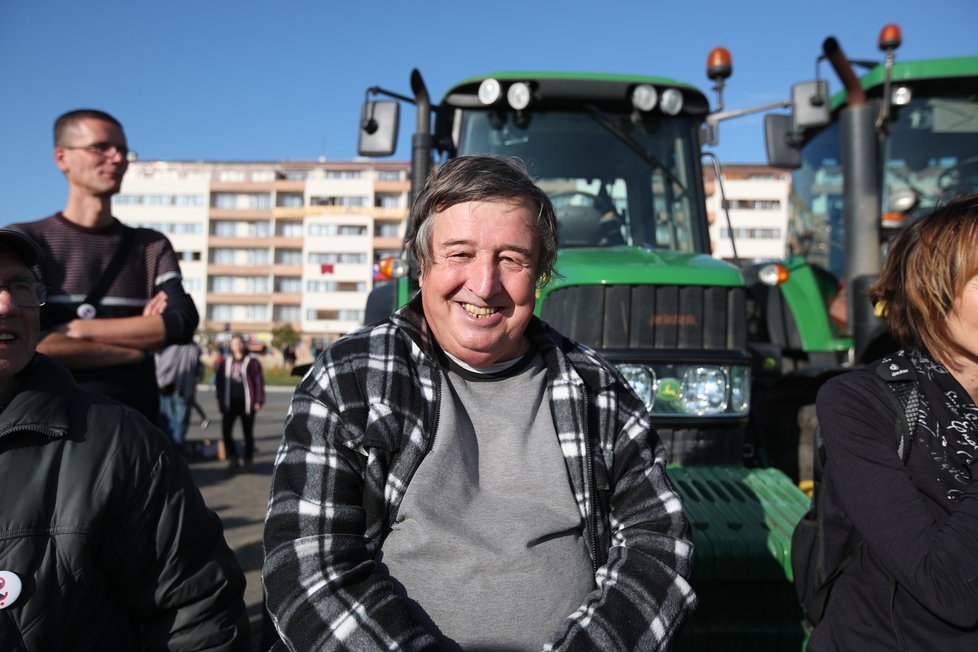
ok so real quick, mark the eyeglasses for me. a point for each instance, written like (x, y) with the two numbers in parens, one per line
(105, 150)
(26, 294)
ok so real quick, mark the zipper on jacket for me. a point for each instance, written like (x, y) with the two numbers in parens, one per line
(589, 479)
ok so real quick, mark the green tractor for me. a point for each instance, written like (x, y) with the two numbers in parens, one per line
(899, 141)
(620, 156)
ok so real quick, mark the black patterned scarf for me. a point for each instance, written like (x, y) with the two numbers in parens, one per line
(947, 423)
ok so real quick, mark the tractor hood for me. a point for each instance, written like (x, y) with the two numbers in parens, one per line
(637, 266)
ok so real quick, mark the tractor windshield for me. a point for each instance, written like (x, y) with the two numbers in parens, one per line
(932, 150)
(929, 156)
(613, 181)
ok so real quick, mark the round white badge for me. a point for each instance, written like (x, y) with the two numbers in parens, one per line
(86, 311)
(10, 586)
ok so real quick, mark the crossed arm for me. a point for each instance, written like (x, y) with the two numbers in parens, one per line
(90, 343)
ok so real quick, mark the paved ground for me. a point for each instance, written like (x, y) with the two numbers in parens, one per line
(240, 498)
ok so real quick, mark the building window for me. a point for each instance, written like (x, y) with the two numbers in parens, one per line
(222, 256)
(756, 204)
(259, 201)
(231, 175)
(286, 313)
(289, 229)
(289, 199)
(332, 200)
(256, 256)
(325, 230)
(318, 258)
(387, 230)
(221, 312)
(224, 200)
(325, 314)
(288, 256)
(256, 313)
(342, 174)
(224, 228)
(389, 175)
(259, 229)
(256, 284)
(192, 284)
(222, 284)
(188, 256)
(385, 200)
(288, 285)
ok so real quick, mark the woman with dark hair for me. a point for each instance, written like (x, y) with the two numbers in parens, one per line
(913, 582)
(240, 389)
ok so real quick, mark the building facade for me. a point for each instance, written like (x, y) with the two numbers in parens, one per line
(758, 202)
(296, 242)
(265, 244)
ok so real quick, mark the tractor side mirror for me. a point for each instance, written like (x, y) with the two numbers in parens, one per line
(378, 128)
(810, 104)
(782, 141)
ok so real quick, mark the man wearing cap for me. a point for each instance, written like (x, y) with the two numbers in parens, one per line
(460, 475)
(105, 542)
(115, 293)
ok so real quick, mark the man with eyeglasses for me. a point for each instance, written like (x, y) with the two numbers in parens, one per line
(107, 542)
(115, 293)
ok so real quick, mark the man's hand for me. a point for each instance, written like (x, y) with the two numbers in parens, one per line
(156, 305)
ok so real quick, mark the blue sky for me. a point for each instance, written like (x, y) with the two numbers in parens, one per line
(248, 80)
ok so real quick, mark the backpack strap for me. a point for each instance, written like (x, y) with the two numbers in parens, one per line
(900, 379)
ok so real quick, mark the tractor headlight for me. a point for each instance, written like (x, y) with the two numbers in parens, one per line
(642, 381)
(691, 390)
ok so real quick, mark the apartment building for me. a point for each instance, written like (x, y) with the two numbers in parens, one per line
(758, 202)
(262, 244)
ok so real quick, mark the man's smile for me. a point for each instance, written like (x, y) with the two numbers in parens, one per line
(477, 311)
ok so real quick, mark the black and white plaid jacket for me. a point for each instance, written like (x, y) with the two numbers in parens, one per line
(360, 423)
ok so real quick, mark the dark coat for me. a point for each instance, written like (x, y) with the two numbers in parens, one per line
(102, 523)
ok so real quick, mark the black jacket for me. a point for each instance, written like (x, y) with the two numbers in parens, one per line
(102, 523)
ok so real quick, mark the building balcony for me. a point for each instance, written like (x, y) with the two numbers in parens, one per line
(243, 186)
(239, 213)
(238, 298)
(243, 269)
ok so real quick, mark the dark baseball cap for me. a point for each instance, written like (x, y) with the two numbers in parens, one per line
(22, 244)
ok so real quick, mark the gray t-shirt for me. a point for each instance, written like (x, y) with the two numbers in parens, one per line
(488, 542)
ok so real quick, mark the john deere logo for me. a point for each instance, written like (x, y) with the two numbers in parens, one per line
(672, 320)
(668, 389)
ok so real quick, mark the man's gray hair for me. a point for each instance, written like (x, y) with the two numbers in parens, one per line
(482, 178)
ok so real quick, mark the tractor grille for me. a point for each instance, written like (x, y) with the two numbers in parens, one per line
(650, 316)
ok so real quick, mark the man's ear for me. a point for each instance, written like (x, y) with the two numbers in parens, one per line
(61, 158)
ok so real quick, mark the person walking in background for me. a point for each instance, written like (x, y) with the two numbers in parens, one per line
(178, 370)
(911, 583)
(115, 293)
(240, 389)
(107, 543)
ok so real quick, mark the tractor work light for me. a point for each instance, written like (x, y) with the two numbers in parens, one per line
(901, 95)
(518, 96)
(672, 101)
(694, 390)
(645, 97)
(773, 275)
(392, 267)
(490, 91)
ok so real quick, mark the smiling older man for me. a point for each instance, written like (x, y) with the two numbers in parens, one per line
(463, 477)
